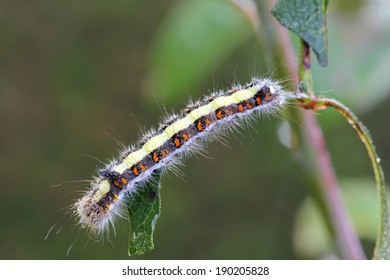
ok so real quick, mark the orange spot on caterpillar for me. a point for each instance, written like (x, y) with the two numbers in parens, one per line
(107, 207)
(258, 100)
(185, 136)
(117, 184)
(248, 105)
(208, 122)
(115, 197)
(199, 126)
(143, 167)
(164, 153)
(219, 114)
(177, 143)
(227, 112)
(135, 171)
(155, 157)
(124, 181)
(240, 108)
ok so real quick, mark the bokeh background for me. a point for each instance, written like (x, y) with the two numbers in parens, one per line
(74, 75)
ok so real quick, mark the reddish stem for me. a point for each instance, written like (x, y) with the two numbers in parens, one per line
(306, 60)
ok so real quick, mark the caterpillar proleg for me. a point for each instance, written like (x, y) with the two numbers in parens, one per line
(177, 135)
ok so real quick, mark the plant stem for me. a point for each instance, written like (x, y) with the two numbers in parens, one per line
(329, 198)
(305, 68)
(382, 246)
(348, 241)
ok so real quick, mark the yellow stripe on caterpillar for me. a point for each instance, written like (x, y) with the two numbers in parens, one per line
(156, 141)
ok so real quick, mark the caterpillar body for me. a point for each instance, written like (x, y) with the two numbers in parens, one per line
(176, 136)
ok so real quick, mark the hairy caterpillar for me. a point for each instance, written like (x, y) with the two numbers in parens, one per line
(176, 136)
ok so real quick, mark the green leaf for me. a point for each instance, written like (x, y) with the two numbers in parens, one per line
(307, 19)
(144, 209)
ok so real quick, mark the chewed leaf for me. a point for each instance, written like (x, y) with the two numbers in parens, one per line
(307, 19)
(144, 210)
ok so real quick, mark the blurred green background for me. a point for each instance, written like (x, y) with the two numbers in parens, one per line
(72, 72)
